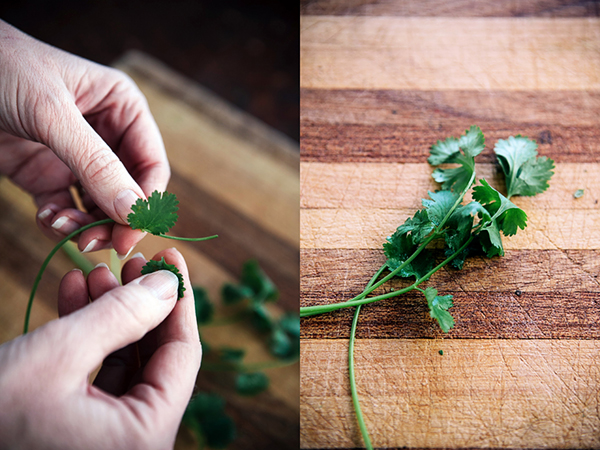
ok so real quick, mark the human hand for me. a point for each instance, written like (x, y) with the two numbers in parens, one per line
(46, 400)
(65, 121)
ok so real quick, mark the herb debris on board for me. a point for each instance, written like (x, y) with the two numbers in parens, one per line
(463, 229)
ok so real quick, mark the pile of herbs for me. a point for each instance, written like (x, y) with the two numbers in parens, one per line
(206, 416)
(462, 228)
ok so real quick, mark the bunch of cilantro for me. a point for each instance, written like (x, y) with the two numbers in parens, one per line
(463, 229)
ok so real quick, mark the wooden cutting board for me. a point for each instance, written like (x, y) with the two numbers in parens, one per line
(380, 83)
(234, 177)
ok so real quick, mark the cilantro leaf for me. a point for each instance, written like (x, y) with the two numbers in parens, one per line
(508, 215)
(458, 231)
(398, 248)
(444, 151)
(258, 282)
(204, 307)
(526, 174)
(251, 383)
(157, 215)
(489, 237)
(472, 142)
(449, 152)
(440, 204)
(153, 266)
(419, 226)
(205, 415)
(438, 308)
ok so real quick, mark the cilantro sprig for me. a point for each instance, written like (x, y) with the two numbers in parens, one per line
(475, 227)
(462, 229)
(157, 216)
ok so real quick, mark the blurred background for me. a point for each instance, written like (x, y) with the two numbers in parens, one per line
(222, 81)
(247, 52)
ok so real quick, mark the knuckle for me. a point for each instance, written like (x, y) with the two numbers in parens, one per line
(99, 166)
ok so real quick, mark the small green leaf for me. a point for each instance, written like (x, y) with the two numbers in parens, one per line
(398, 248)
(472, 142)
(251, 383)
(449, 152)
(232, 294)
(204, 307)
(231, 355)
(153, 266)
(205, 415)
(438, 308)
(280, 343)
(508, 215)
(440, 205)
(444, 151)
(526, 174)
(290, 323)
(257, 280)
(578, 193)
(157, 215)
(417, 227)
(261, 318)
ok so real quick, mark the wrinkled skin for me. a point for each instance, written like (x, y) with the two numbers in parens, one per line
(140, 393)
(67, 122)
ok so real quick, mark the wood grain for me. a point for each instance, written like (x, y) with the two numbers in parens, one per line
(524, 295)
(546, 391)
(474, 53)
(381, 82)
(455, 8)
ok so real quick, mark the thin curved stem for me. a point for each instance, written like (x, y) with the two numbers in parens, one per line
(189, 239)
(355, 400)
(47, 260)
(320, 309)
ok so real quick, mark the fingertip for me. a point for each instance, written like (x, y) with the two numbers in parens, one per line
(101, 280)
(72, 293)
(124, 239)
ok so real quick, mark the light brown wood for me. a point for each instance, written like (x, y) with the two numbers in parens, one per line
(480, 393)
(560, 228)
(449, 53)
(379, 87)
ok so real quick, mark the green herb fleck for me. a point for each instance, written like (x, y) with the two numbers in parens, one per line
(578, 193)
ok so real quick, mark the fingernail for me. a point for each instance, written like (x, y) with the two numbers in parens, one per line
(163, 284)
(139, 255)
(122, 257)
(123, 202)
(45, 213)
(102, 265)
(65, 225)
(90, 246)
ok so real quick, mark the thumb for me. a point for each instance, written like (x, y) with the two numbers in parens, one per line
(119, 317)
(96, 166)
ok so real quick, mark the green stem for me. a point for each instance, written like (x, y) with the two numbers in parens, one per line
(47, 260)
(320, 309)
(75, 255)
(189, 239)
(416, 253)
(354, 392)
